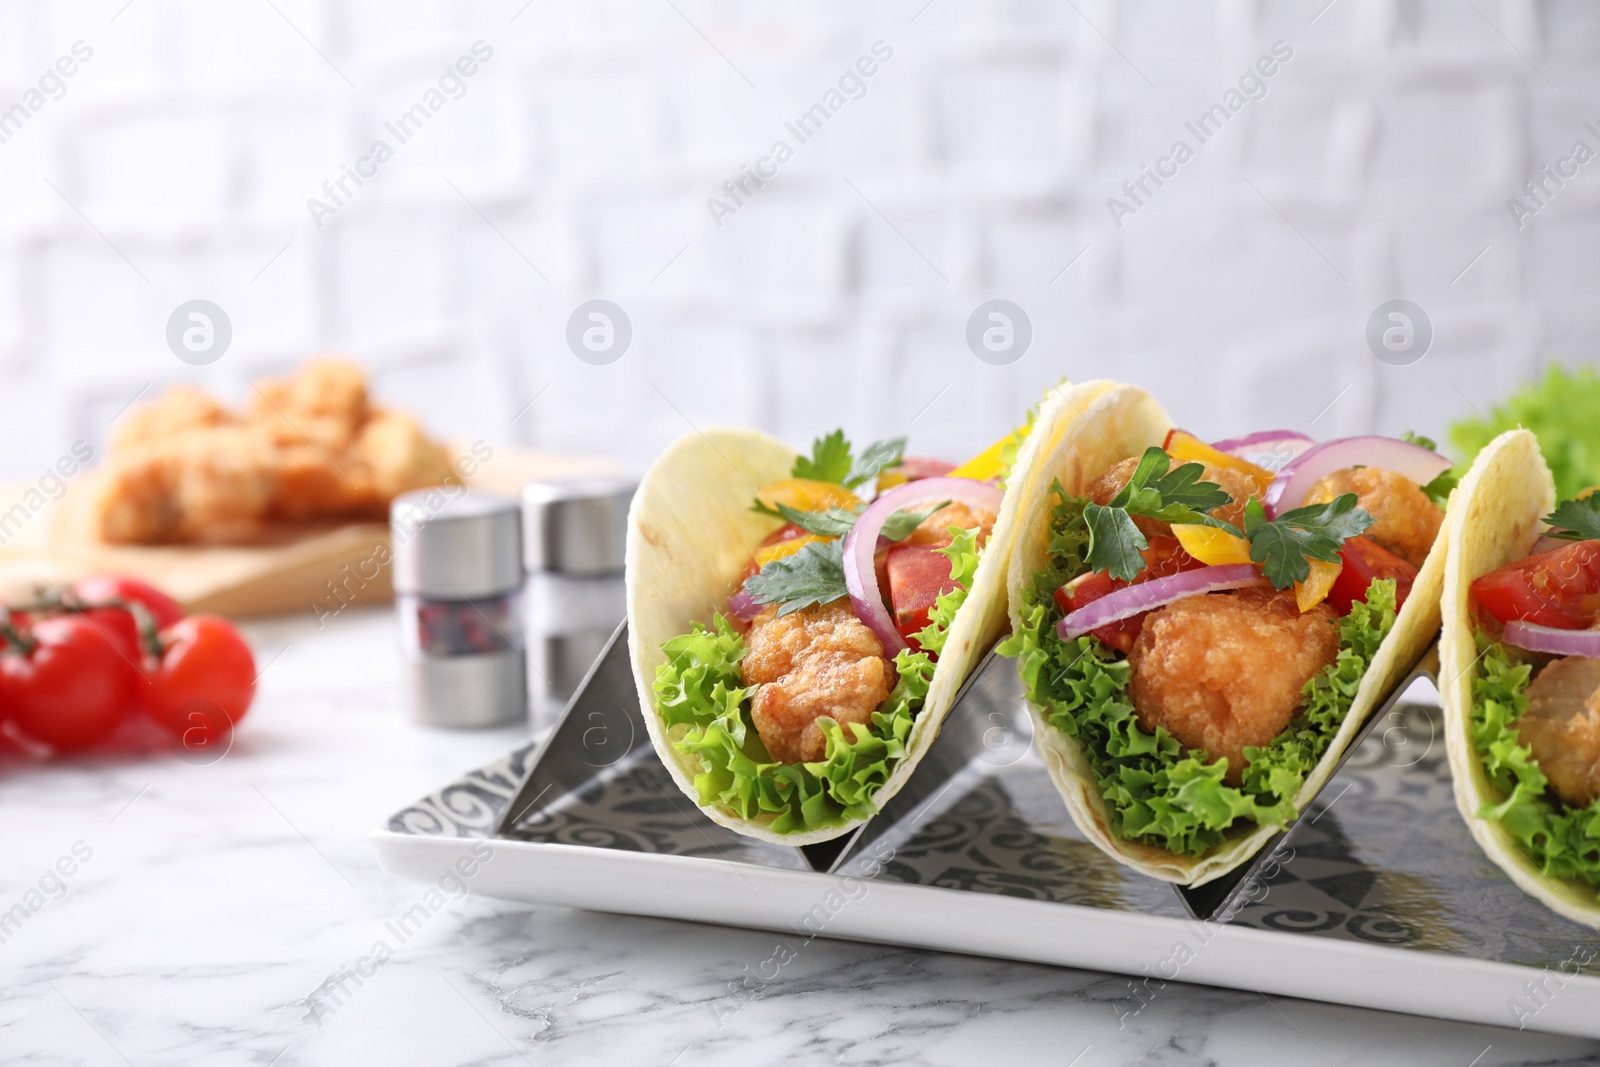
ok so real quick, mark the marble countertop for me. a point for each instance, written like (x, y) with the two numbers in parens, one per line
(206, 905)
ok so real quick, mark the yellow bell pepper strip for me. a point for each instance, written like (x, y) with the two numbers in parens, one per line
(1186, 448)
(781, 549)
(989, 464)
(1212, 546)
(985, 465)
(1314, 590)
(804, 494)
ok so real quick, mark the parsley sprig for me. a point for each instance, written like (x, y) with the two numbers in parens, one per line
(833, 460)
(836, 522)
(1155, 490)
(1437, 490)
(1576, 520)
(1283, 546)
(815, 573)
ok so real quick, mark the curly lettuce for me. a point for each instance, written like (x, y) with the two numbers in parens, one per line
(1560, 840)
(1157, 792)
(1561, 410)
(705, 706)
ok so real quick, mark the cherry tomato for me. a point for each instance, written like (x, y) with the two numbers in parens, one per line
(206, 664)
(1559, 588)
(71, 688)
(1364, 561)
(118, 623)
(100, 588)
(1163, 558)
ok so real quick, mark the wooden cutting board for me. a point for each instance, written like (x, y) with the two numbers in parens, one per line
(290, 569)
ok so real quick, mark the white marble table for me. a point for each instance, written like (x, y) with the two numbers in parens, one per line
(216, 900)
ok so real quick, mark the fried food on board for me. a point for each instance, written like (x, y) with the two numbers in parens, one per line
(308, 447)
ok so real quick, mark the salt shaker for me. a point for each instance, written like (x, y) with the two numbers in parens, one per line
(574, 533)
(458, 590)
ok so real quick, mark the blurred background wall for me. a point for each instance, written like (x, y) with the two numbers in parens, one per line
(587, 153)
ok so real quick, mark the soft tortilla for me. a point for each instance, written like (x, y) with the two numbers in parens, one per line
(1123, 422)
(1497, 518)
(691, 530)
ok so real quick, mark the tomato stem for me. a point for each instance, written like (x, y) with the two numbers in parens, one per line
(14, 638)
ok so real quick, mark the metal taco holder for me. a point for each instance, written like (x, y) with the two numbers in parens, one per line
(603, 726)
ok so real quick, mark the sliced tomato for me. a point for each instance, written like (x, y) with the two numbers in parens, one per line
(918, 576)
(1163, 558)
(1364, 561)
(1559, 588)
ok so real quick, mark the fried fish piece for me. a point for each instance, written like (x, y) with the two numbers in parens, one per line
(935, 529)
(205, 485)
(818, 661)
(312, 485)
(399, 456)
(179, 409)
(1224, 671)
(1405, 521)
(323, 403)
(1562, 727)
(310, 446)
(223, 490)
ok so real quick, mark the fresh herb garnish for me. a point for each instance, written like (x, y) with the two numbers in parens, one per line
(899, 525)
(1283, 546)
(832, 460)
(829, 460)
(1576, 520)
(813, 575)
(1175, 495)
(1115, 543)
(836, 522)
(876, 457)
(1437, 490)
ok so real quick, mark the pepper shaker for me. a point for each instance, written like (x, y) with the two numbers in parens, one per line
(574, 532)
(458, 590)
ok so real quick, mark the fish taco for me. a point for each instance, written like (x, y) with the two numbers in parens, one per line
(1202, 629)
(800, 624)
(1520, 673)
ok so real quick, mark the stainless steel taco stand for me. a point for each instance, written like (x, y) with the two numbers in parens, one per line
(603, 730)
(1378, 897)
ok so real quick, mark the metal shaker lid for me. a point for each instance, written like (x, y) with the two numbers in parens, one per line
(576, 526)
(455, 544)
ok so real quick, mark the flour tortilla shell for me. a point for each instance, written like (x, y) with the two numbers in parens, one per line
(1123, 422)
(1500, 505)
(691, 531)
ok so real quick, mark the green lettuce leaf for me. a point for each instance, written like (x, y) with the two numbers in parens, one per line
(1563, 411)
(1561, 841)
(1157, 792)
(701, 699)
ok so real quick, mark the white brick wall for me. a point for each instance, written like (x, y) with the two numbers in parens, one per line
(976, 165)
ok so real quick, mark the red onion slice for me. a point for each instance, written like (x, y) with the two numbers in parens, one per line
(1548, 639)
(1293, 484)
(1264, 441)
(742, 607)
(861, 577)
(1133, 599)
(1548, 544)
